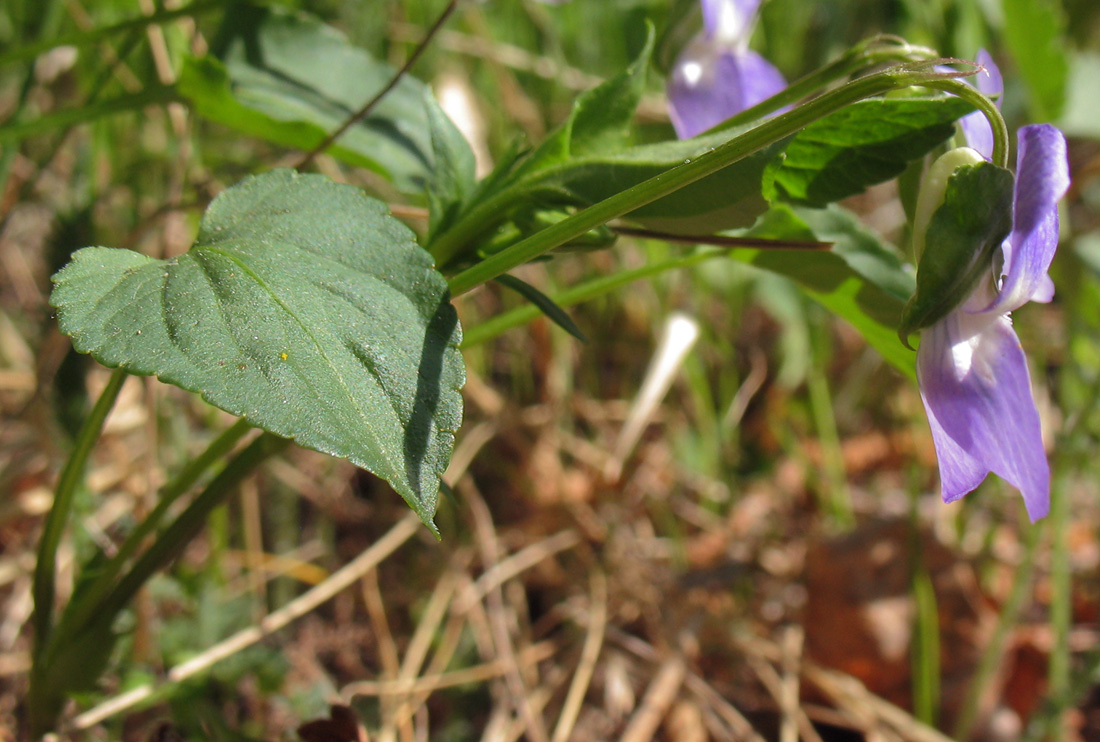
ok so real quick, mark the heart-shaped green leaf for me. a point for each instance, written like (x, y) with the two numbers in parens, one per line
(304, 307)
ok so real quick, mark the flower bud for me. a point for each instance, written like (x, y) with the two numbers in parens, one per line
(964, 213)
(933, 188)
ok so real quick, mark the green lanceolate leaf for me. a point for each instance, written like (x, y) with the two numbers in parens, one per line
(864, 144)
(841, 155)
(970, 224)
(545, 304)
(602, 116)
(727, 199)
(860, 279)
(454, 176)
(600, 119)
(303, 307)
(290, 79)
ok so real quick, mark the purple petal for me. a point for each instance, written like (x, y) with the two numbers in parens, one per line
(708, 87)
(1042, 177)
(990, 82)
(729, 20)
(977, 393)
(975, 127)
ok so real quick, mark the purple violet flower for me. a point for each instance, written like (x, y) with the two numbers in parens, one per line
(971, 369)
(717, 76)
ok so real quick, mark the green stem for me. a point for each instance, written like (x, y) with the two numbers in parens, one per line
(490, 329)
(994, 652)
(14, 133)
(45, 577)
(1061, 603)
(85, 38)
(1001, 141)
(837, 498)
(170, 543)
(873, 51)
(768, 132)
(88, 603)
(925, 653)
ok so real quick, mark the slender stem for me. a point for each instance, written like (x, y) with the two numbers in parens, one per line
(14, 133)
(1061, 602)
(837, 498)
(1001, 140)
(994, 652)
(486, 331)
(85, 38)
(925, 652)
(369, 105)
(876, 50)
(87, 603)
(172, 540)
(721, 240)
(873, 51)
(45, 569)
(738, 148)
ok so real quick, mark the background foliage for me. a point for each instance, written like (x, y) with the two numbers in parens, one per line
(785, 490)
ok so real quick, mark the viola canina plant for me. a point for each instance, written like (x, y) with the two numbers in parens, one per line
(717, 76)
(309, 311)
(972, 371)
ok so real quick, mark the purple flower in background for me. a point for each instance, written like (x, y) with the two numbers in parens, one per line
(717, 76)
(972, 372)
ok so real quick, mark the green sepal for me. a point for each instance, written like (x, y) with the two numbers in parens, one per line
(962, 237)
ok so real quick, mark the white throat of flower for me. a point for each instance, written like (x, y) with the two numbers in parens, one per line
(733, 28)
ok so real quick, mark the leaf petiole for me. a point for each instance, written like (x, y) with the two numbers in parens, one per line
(763, 135)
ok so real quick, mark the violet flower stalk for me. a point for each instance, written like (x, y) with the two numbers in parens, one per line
(717, 76)
(972, 372)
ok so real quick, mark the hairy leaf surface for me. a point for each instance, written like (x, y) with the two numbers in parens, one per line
(305, 308)
(864, 144)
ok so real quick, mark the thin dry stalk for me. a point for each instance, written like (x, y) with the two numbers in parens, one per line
(401, 532)
(590, 653)
(253, 547)
(428, 684)
(517, 563)
(793, 719)
(467, 450)
(387, 648)
(852, 695)
(441, 658)
(417, 650)
(740, 726)
(539, 698)
(658, 698)
(904, 724)
(498, 622)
